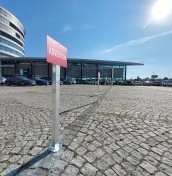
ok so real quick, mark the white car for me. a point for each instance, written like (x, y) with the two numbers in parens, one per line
(2, 80)
(167, 83)
(138, 83)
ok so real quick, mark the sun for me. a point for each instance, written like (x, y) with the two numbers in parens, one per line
(161, 9)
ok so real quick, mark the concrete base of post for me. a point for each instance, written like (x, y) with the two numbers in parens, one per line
(56, 148)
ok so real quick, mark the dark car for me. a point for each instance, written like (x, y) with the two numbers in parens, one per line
(127, 83)
(49, 79)
(158, 83)
(79, 81)
(67, 81)
(19, 80)
(2, 80)
(40, 81)
(119, 82)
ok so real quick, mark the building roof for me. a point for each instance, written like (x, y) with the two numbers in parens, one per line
(73, 60)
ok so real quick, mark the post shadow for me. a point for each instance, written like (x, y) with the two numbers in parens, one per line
(29, 163)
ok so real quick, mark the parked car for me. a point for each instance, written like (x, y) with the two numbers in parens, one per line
(138, 83)
(157, 83)
(67, 81)
(118, 82)
(167, 83)
(49, 79)
(2, 80)
(79, 81)
(40, 81)
(147, 83)
(127, 83)
(19, 80)
(90, 81)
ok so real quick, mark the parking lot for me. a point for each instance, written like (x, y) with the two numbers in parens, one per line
(129, 132)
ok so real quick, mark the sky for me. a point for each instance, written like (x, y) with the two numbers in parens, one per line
(119, 30)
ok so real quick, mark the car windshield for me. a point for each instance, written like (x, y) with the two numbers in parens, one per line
(22, 77)
(38, 79)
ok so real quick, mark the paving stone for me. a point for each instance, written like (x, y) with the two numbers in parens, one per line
(67, 156)
(160, 174)
(90, 157)
(71, 171)
(35, 172)
(35, 151)
(134, 161)
(81, 151)
(14, 158)
(58, 166)
(151, 160)
(78, 161)
(47, 162)
(148, 167)
(110, 172)
(89, 170)
(4, 158)
(24, 159)
(101, 165)
(99, 153)
(11, 170)
(119, 170)
(156, 150)
(2, 166)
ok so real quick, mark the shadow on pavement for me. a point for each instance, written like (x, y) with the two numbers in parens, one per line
(77, 108)
(29, 163)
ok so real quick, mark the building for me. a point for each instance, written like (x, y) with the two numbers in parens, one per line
(77, 68)
(12, 60)
(12, 35)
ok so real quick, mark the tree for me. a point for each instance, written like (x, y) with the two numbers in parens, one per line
(165, 78)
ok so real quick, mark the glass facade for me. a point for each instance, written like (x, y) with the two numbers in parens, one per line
(6, 42)
(12, 35)
(105, 71)
(119, 72)
(78, 71)
(89, 71)
(4, 48)
(73, 70)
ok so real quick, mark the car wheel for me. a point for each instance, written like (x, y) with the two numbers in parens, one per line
(8, 83)
(22, 84)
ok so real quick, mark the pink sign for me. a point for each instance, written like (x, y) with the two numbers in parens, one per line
(56, 53)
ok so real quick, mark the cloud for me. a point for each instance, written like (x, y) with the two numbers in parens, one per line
(66, 28)
(135, 42)
(88, 26)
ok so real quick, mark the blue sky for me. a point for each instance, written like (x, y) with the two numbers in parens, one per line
(119, 30)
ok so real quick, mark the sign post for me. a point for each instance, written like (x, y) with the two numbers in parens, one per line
(112, 75)
(98, 84)
(57, 55)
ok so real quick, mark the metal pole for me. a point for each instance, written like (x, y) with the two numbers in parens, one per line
(98, 89)
(112, 75)
(0, 69)
(98, 78)
(55, 146)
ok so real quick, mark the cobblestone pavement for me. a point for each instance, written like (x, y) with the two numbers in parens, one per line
(129, 132)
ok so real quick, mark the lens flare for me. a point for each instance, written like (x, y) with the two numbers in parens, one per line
(161, 9)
